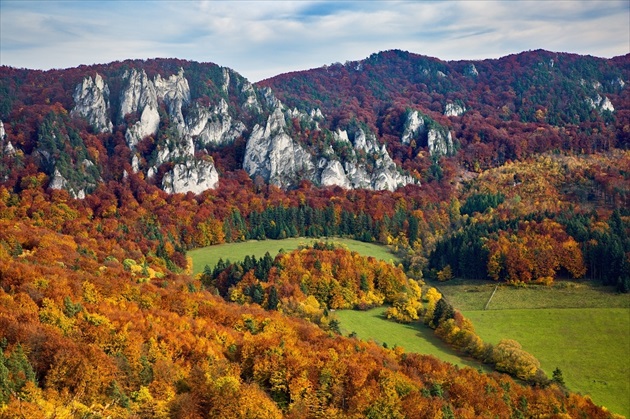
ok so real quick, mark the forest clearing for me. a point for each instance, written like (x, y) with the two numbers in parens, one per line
(210, 255)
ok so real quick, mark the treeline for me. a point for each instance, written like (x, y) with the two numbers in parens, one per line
(280, 222)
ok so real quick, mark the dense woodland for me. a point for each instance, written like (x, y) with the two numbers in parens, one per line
(101, 317)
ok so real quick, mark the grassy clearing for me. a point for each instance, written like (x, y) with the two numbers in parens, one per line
(473, 295)
(580, 327)
(418, 338)
(237, 251)
(590, 345)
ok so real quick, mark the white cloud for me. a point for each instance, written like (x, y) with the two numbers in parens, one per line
(263, 38)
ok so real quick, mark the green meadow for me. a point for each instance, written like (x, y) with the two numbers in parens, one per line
(237, 251)
(416, 337)
(590, 345)
(579, 327)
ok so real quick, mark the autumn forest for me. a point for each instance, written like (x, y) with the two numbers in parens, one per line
(102, 316)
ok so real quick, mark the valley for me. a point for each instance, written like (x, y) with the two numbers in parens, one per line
(499, 188)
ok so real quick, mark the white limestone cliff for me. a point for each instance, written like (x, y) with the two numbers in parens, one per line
(437, 138)
(139, 95)
(272, 154)
(193, 176)
(251, 102)
(213, 126)
(413, 127)
(57, 181)
(5, 145)
(454, 109)
(471, 70)
(175, 92)
(91, 101)
(600, 103)
(440, 142)
(226, 80)
(333, 174)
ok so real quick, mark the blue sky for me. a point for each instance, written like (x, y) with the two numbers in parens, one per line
(260, 39)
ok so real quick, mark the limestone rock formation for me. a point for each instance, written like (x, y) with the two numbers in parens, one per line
(427, 132)
(139, 96)
(272, 154)
(454, 109)
(213, 125)
(6, 148)
(193, 176)
(175, 93)
(91, 101)
(600, 103)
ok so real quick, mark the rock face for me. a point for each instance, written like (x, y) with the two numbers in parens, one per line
(139, 96)
(471, 70)
(425, 131)
(91, 101)
(142, 96)
(175, 93)
(6, 148)
(600, 103)
(383, 174)
(191, 176)
(440, 142)
(355, 159)
(272, 154)
(213, 126)
(414, 126)
(454, 109)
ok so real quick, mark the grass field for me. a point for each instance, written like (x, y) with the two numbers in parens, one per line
(473, 295)
(418, 338)
(237, 251)
(590, 345)
(581, 328)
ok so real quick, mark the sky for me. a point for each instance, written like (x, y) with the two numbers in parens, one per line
(260, 39)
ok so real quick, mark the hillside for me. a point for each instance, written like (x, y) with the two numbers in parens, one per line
(512, 170)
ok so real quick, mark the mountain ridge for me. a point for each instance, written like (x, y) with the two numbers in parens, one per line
(413, 109)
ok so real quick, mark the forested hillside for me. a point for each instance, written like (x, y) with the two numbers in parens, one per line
(511, 170)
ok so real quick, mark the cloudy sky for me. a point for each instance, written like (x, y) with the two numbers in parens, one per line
(260, 39)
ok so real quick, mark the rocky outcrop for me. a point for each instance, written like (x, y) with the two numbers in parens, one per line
(272, 154)
(6, 148)
(383, 174)
(251, 101)
(454, 109)
(440, 142)
(91, 101)
(427, 132)
(333, 174)
(191, 176)
(175, 93)
(57, 181)
(600, 103)
(176, 143)
(352, 161)
(471, 70)
(414, 127)
(226, 80)
(139, 96)
(213, 126)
